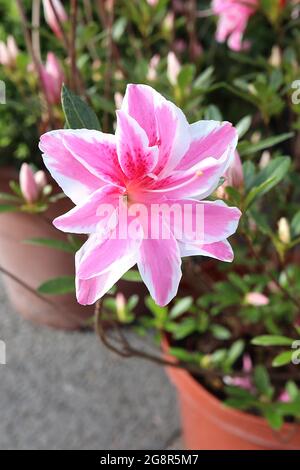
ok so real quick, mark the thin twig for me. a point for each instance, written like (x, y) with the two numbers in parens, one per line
(36, 13)
(36, 62)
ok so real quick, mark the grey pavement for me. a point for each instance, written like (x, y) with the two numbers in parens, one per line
(66, 391)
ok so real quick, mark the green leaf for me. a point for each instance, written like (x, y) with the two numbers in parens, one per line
(184, 329)
(220, 332)
(184, 355)
(248, 148)
(159, 312)
(51, 243)
(8, 208)
(77, 113)
(277, 168)
(269, 340)
(132, 276)
(258, 191)
(283, 359)
(234, 352)
(273, 417)
(186, 75)
(243, 126)
(268, 178)
(295, 225)
(262, 381)
(58, 285)
(181, 307)
(9, 197)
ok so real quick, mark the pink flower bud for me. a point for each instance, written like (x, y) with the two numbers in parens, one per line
(234, 174)
(256, 299)
(152, 70)
(120, 305)
(28, 184)
(8, 52)
(40, 179)
(118, 99)
(234, 177)
(174, 68)
(50, 16)
(152, 3)
(284, 397)
(53, 77)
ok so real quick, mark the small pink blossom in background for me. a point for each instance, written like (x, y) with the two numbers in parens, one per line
(233, 19)
(40, 179)
(244, 382)
(120, 304)
(284, 397)
(53, 77)
(234, 177)
(153, 3)
(173, 68)
(152, 69)
(51, 18)
(118, 99)
(256, 299)
(8, 52)
(155, 157)
(31, 183)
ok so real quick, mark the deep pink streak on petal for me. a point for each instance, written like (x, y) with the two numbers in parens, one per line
(209, 139)
(160, 268)
(104, 253)
(163, 122)
(136, 158)
(75, 180)
(174, 137)
(86, 216)
(138, 102)
(97, 152)
(199, 181)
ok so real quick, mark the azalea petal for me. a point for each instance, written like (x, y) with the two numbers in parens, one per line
(200, 181)
(136, 158)
(93, 214)
(101, 253)
(204, 222)
(97, 152)
(209, 139)
(88, 291)
(138, 102)
(75, 180)
(219, 250)
(160, 268)
(164, 123)
(220, 221)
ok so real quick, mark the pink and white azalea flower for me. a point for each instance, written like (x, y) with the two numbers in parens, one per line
(233, 19)
(155, 157)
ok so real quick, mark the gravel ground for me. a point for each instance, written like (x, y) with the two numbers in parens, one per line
(65, 391)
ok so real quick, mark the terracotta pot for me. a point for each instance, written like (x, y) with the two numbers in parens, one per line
(35, 265)
(208, 425)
